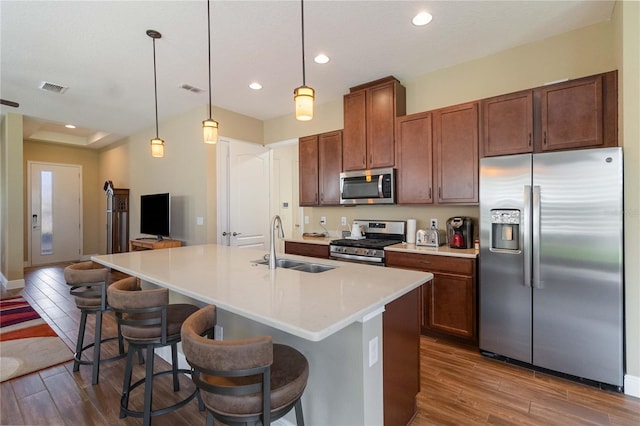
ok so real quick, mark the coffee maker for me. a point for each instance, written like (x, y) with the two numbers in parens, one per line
(460, 232)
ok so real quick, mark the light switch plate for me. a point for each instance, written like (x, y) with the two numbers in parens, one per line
(343, 220)
(373, 351)
(200, 220)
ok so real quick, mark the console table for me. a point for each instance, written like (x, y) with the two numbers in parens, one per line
(152, 244)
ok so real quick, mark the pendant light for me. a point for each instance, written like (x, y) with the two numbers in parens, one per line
(303, 96)
(209, 126)
(157, 144)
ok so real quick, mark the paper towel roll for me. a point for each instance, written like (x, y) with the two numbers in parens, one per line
(411, 231)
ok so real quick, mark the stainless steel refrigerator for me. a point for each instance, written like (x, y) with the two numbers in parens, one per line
(551, 261)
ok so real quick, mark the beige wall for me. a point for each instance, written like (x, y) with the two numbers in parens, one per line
(187, 171)
(91, 187)
(11, 205)
(626, 21)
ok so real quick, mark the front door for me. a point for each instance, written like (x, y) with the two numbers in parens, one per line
(244, 211)
(55, 223)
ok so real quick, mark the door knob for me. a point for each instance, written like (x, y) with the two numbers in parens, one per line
(225, 233)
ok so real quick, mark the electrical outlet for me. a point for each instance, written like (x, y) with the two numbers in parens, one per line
(323, 220)
(343, 220)
(434, 223)
(306, 220)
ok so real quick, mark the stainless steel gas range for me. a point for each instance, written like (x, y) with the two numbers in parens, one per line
(368, 247)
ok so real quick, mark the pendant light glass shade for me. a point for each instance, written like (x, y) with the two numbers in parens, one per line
(210, 131)
(209, 126)
(303, 97)
(157, 147)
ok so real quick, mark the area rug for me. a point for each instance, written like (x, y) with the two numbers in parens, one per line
(27, 342)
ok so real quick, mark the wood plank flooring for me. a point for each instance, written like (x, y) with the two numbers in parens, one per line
(458, 385)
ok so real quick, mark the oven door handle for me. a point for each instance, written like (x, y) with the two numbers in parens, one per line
(366, 259)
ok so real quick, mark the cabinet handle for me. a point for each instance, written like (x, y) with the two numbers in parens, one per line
(321, 197)
(529, 138)
(439, 193)
(370, 158)
(545, 138)
(425, 262)
(364, 160)
(316, 199)
(429, 192)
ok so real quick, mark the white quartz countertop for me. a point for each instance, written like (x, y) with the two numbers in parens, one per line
(312, 240)
(307, 305)
(438, 251)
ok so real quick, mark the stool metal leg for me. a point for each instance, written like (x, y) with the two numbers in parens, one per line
(96, 348)
(148, 386)
(174, 362)
(299, 416)
(124, 400)
(79, 342)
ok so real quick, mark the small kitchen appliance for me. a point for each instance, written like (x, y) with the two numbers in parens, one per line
(370, 250)
(460, 232)
(432, 237)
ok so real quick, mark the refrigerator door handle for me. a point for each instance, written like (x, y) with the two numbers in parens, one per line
(536, 237)
(526, 229)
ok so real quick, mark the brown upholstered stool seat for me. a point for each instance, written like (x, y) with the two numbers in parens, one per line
(232, 374)
(88, 282)
(148, 321)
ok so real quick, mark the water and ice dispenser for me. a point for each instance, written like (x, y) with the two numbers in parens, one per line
(505, 230)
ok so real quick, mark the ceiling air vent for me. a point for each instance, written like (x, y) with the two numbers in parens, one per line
(191, 88)
(52, 87)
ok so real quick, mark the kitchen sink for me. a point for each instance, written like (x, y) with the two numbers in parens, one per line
(297, 265)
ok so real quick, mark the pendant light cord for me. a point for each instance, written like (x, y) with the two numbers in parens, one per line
(209, 41)
(304, 83)
(155, 84)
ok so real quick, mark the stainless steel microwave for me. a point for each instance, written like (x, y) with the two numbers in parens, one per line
(374, 186)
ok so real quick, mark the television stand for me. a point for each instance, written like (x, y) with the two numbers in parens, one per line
(152, 244)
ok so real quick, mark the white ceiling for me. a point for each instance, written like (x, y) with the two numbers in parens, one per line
(100, 51)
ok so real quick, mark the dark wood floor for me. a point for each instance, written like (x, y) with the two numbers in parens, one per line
(458, 385)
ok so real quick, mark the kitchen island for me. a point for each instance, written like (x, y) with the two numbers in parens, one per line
(335, 318)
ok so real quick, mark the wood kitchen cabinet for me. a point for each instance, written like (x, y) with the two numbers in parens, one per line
(508, 124)
(455, 152)
(414, 159)
(320, 164)
(307, 249)
(369, 123)
(449, 301)
(580, 113)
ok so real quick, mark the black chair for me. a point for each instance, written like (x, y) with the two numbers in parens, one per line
(243, 381)
(88, 282)
(148, 321)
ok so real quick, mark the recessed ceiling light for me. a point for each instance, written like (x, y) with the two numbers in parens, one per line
(255, 85)
(321, 59)
(422, 18)
(69, 126)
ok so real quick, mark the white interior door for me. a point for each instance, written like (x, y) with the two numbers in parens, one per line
(56, 219)
(243, 209)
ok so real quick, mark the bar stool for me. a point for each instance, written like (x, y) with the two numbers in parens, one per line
(88, 282)
(148, 321)
(243, 381)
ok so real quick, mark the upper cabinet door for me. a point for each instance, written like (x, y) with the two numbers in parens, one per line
(572, 114)
(414, 159)
(354, 147)
(308, 170)
(330, 166)
(381, 115)
(370, 111)
(456, 153)
(508, 124)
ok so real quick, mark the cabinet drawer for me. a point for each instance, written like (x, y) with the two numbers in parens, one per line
(431, 263)
(303, 249)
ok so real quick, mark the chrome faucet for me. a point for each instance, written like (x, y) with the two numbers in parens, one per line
(272, 246)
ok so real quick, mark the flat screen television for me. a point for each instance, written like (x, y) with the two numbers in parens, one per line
(155, 215)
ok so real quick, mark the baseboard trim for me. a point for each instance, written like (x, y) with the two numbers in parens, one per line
(632, 385)
(13, 284)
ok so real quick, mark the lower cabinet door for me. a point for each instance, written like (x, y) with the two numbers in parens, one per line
(449, 305)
